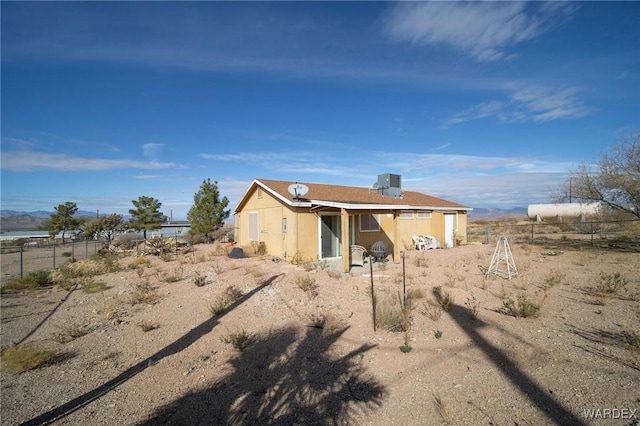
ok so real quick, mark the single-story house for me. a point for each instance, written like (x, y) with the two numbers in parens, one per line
(312, 221)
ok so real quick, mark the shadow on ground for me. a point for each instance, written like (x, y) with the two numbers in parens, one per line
(287, 376)
(553, 409)
(179, 345)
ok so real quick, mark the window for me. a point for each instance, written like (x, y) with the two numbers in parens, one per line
(424, 214)
(369, 222)
(253, 226)
(406, 214)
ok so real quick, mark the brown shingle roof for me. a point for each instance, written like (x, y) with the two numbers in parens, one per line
(358, 195)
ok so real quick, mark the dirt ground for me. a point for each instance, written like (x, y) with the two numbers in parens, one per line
(313, 357)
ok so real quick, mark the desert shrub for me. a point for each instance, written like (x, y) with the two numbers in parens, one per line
(92, 286)
(298, 258)
(433, 312)
(329, 323)
(611, 283)
(442, 406)
(473, 306)
(66, 254)
(309, 265)
(143, 293)
(438, 334)
(166, 256)
(230, 295)
(522, 307)
(146, 326)
(307, 284)
(238, 339)
(554, 278)
(175, 275)
(128, 241)
(19, 359)
(445, 299)
(199, 280)
(421, 261)
(218, 268)
(391, 315)
(70, 331)
(32, 280)
(139, 262)
(259, 248)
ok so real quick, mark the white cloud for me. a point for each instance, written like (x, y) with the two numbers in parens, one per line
(152, 151)
(527, 103)
(481, 29)
(28, 161)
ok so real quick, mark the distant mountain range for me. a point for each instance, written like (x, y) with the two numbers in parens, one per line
(489, 213)
(12, 220)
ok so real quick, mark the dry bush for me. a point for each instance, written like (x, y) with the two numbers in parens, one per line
(392, 315)
(328, 322)
(199, 280)
(307, 284)
(421, 261)
(109, 307)
(139, 262)
(606, 285)
(218, 268)
(230, 295)
(554, 278)
(143, 293)
(473, 306)
(146, 326)
(522, 307)
(433, 312)
(239, 339)
(91, 286)
(445, 299)
(175, 275)
(71, 331)
(443, 409)
(19, 359)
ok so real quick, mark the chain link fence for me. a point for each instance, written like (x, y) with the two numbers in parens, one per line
(18, 261)
(571, 234)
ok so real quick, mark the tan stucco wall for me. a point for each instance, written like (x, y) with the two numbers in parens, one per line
(301, 235)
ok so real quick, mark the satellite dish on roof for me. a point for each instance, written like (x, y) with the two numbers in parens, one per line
(298, 189)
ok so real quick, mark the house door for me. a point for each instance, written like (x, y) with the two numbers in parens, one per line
(330, 236)
(448, 229)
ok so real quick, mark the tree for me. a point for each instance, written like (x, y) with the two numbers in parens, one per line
(208, 212)
(107, 226)
(62, 219)
(146, 216)
(614, 181)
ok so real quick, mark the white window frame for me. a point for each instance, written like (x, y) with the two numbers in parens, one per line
(254, 222)
(375, 217)
(406, 214)
(424, 214)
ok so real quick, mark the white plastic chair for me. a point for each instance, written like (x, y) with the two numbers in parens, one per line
(419, 242)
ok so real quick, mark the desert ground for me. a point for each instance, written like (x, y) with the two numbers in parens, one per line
(205, 338)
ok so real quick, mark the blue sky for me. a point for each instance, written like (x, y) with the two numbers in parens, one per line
(485, 104)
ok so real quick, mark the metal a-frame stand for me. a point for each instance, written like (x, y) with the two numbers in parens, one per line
(502, 255)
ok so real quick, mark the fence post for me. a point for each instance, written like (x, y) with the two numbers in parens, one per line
(21, 273)
(73, 251)
(54, 255)
(86, 249)
(486, 234)
(532, 230)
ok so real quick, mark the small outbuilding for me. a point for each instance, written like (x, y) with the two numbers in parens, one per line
(313, 221)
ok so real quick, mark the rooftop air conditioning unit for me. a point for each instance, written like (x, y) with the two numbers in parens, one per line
(390, 185)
